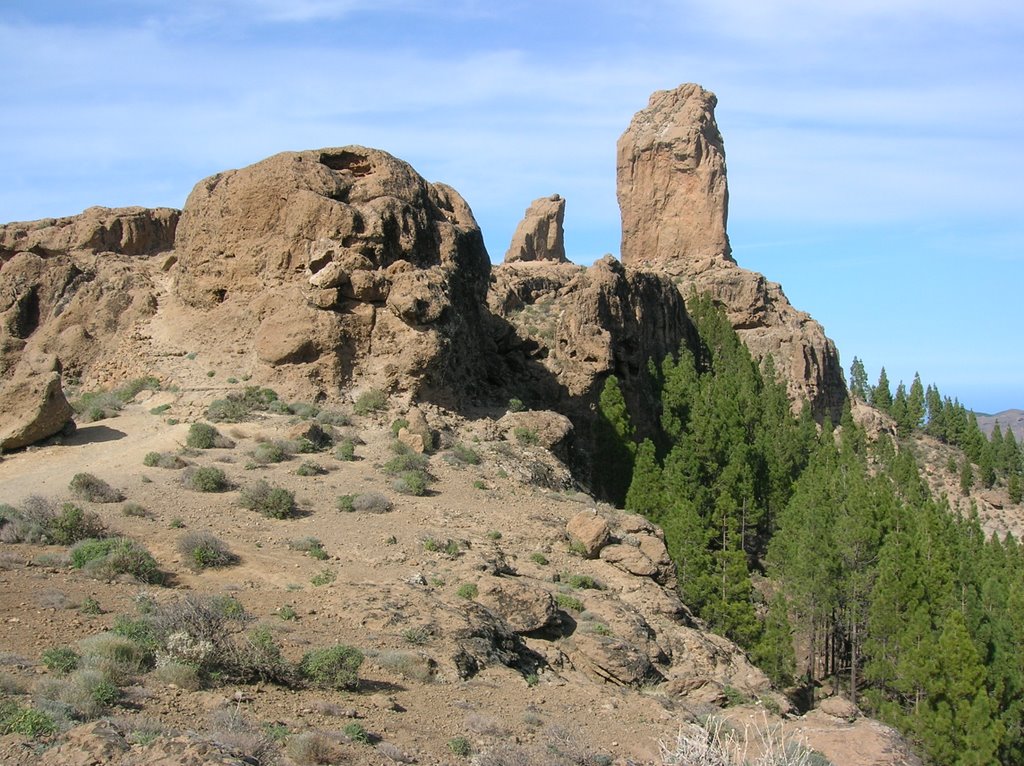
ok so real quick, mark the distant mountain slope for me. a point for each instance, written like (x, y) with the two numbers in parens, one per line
(1012, 419)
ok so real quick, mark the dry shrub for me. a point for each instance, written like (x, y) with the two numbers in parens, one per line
(178, 674)
(85, 486)
(313, 747)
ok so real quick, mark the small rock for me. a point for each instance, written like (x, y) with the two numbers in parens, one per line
(590, 530)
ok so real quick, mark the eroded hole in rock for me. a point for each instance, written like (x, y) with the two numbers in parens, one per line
(27, 318)
(220, 295)
(357, 164)
(318, 262)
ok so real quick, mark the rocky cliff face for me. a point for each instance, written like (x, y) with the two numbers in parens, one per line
(674, 200)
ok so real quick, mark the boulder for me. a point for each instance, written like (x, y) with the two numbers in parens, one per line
(590, 530)
(524, 608)
(839, 707)
(32, 403)
(539, 236)
(549, 428)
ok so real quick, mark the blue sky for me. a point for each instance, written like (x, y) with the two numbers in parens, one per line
(875, 153)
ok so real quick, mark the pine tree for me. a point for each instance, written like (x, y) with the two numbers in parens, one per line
(936, 415)
(966, 476)
(613, 434)
(774, 653)
(858, 380)
(900, 411)
(881, 394)
(646, 495)
(916, 406)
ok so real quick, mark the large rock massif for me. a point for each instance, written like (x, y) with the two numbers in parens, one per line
(674, 200)
(324, 270)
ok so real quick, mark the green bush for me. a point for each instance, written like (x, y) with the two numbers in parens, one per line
(206, 479)
(406, 461)
(346, 503)
(270, 452)
(581, 582)
(309, 468)
(113, 556)
(465, 454)
(460, 746)
(565, 601)
(310, 545)
(526, 436)
(26, 721)
(74, 524)
(539, 558)
(371, 400)
(240, 405)
(398, 425)
(203, 550)
(132, 510)
(468, 591)
(60, 660)
(411, 483)
(205, 436)
(85, 486)
(163, 460)
(346, 451)
(356, 732)
(334, 667)
(274, 502)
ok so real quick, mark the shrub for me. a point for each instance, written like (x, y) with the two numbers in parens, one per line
(239, 406)
(365, 502)
(29, 722)
(206, 479)
(346, 451)
(310, 545)
(464, 454)
(309, 468)
(539, 558)
(74, 524)
(516, 405)
(398, 425)
(311, 748)
(287, 612)
(97, 405)
(405, 460)
(132, 510)
(581, 582)
(565, 601)
(334, 667)
(270, 452)
(205, 436)
(113, 556)
(371, 400)
(468, 591)
(163, 460)
(333, 418)
(417, 636)
(179, 674)
(273, 502)
(85, 486)
(60, 660)
(323, 577)
(203, 550)
(460, 747)
(526, 436)
(90, 606)
(117, 657)
(356, 732)
(411, 483)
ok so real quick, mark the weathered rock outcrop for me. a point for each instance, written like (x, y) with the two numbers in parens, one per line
(674, 200)
(540, 236)
(126, 231)
(671, 182)
(72, 286)
(342, 258)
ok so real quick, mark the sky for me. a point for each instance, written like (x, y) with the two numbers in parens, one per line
(875, 149)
